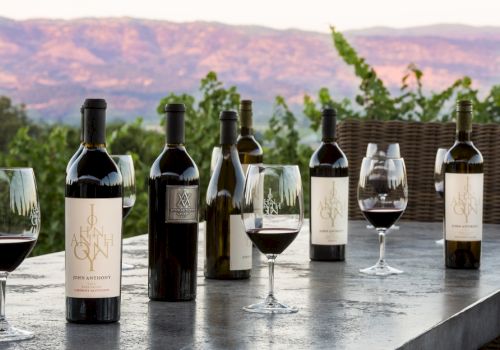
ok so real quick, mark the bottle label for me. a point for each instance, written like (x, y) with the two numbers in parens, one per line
(329, 210)
(240, 251)
(93, 247)
(181, 204)
(463, 207)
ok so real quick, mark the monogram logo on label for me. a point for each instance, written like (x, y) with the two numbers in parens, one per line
(181, 204)
(331, 207)
(183, 199)
(271, 207)
(465, 203)
(91, 241)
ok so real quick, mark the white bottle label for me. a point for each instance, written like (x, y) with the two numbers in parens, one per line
(93, 247)
(463, 207)
(329, 210)
(240, 250)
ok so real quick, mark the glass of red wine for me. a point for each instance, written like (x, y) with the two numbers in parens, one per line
(19, 228)
(439, 178)
(272, 212)
(382, 198)
(126, 165)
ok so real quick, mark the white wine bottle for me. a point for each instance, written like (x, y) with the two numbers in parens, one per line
(228, 249)
(463, 190)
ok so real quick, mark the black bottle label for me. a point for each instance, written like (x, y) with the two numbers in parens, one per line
(181, 204)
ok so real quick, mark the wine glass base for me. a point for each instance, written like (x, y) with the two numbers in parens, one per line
(440, 241)
(380, 270)
(9, 334)
(274, 307)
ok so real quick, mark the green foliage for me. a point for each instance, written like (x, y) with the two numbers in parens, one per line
(375, 101)
(144, 146)
(282, 142)
(47, 149)
(202, 121)
(47, 154)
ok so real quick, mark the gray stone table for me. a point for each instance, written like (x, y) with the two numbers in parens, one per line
(428, 307)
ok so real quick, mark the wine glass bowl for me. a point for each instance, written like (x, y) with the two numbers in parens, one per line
(19, 229)
(382, 198)
(272, 212)
(439, 177)
(126, 165)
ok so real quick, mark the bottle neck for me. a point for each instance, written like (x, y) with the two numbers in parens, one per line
(245, 131)
(82, 136)
(94, 128)
(463, 136)
(328, 129)
(464, 126)
(227, 133)
(175, 128)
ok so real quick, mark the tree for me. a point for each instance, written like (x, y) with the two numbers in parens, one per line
(202, 121)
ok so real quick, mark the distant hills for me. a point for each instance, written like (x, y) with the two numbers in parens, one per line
(52, 65)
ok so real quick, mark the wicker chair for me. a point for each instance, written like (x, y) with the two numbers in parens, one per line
(418, 143)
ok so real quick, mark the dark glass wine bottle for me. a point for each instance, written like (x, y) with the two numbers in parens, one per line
(81, 147)
(249, 150)
(329, 199)
(228, 249)
(173, 216)
(463, 181)
(93, 220)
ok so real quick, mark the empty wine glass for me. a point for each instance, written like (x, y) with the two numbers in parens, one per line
(126, 165)
(272, 222)
(382, 198)
(19, 228)
(439, 178)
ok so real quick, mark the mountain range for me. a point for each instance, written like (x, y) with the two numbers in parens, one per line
(52, 65)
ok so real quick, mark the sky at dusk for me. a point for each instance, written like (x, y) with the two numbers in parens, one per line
(316, 15)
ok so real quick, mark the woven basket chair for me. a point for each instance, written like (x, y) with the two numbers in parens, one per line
(418, 143)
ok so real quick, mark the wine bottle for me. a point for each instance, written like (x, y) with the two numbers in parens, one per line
(93, 220)
(329, 189)
(228, 249)
(249, 150)
(80, 148)
(173, 216)
(463, 184)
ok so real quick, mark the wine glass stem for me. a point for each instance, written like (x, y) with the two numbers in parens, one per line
(3, 282)
(381, 237)
(270, 261)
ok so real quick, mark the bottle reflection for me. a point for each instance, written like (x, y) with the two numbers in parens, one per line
(171, 324)
(92, 336)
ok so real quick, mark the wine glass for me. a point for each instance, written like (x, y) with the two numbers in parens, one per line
(439, 178)
(383, 150)
(126, 165)
(382, 198)
(19, 228)
(272, 222)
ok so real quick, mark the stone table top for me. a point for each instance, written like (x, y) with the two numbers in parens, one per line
(426, 307)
